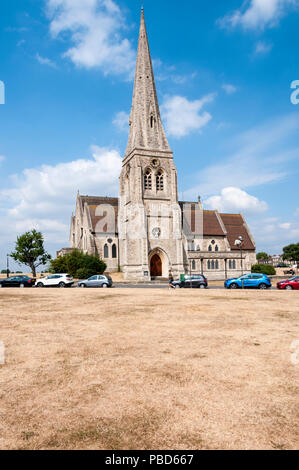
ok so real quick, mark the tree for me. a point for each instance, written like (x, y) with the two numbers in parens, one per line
(78, 264)
(5, 271)
(262, 256)
(29, 250)
(291, 253)
(263, 269)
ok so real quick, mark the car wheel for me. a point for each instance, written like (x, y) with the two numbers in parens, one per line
(82, 285)
(61, 284)
(105, 286)
(1, 286)
(39, 285)
(202, 286)
(22, 286)
(177, 286)
(263, 286)
(288, 288)
(233, 286)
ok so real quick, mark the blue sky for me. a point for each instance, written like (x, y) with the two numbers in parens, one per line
(223, 72)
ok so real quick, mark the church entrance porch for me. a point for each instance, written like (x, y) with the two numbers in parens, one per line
(156, 266)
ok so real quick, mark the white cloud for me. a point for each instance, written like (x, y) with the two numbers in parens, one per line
(94, 28)
(229, 89)
(121, 120)
(263, 47)
(45, 61)
(285, 226)
(236, 200)
(258, 14)
(183, 116)
(44, 197)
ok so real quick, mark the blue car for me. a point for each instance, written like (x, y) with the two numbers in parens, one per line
(249, 281)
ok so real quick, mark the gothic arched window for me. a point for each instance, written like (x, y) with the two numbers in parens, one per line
(152, 121)
(216, 248)
(160, 181)
(193, 265)
(217, 264)
(210, 248)
(114, 251)
(209, 264)
(148, 180)
(106, 251)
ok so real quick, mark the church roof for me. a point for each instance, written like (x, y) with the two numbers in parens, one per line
(215, 224)
(146, 129)
(236, 227)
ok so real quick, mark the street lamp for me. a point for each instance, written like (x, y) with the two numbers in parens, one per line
(239, 244)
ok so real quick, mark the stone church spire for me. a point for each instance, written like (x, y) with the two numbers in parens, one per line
(146, 129)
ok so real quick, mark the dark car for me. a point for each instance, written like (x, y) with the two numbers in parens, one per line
(17, 281)
(289, 284)
(195, 281)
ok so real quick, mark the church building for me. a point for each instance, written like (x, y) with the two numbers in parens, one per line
(147, 232)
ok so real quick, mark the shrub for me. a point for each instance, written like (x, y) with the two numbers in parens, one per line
(263, 269)
(78, 264)
(84, 273)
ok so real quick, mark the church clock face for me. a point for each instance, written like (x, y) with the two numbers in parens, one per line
(156, 232)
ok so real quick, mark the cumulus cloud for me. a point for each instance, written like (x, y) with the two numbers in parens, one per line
(44, 197)
(183, 116)
(258, 14)
(121, 120)
(236, 200)
(229, 89)
(94, 28)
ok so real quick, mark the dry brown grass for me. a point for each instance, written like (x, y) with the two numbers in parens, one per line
(148, 369)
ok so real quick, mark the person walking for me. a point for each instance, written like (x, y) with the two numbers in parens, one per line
(170, 281)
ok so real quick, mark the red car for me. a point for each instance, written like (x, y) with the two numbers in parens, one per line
(289, 284)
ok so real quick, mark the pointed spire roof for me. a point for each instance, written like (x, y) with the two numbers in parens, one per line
(146, 129)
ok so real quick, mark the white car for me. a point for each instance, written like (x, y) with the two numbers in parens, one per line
(56, 280)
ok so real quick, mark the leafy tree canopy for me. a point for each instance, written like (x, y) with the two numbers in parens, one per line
(262, 256)
(78, 264)
(291, 253)
(29, 250)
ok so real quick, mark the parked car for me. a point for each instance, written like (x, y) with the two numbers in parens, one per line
(97, 281)
(194, 281)
(289, 284)
(249, 281)
(17, 281)
(56, 280)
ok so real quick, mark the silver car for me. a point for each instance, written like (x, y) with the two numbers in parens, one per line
(96, 281)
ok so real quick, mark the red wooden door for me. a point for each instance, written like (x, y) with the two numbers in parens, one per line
(156, 266)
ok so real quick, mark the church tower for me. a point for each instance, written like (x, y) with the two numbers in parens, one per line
(150, 219)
